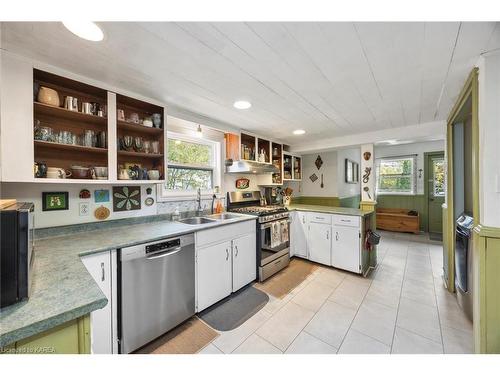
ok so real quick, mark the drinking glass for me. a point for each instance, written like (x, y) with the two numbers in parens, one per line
(155, 146)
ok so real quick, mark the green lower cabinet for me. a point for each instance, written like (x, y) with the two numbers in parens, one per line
(72, 337)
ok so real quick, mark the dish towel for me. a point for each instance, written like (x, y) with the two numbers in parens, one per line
(284, 231)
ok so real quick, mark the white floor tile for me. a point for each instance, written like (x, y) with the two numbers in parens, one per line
(331, 323)
(420, 319)
(350, 293)
(376, 320)
(357, 343)
(282, 328)
(330, 276)
(406, 342)
(256, 345)
(313, 295)
(419, 291)
(385, 293)
(308, 344)
(210, 349)
(456, 341)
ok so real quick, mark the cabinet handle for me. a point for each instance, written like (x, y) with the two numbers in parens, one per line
(227, 254)
(236, 247)
(102, 271)
(303, 219)
(336, 236)
(327, 234)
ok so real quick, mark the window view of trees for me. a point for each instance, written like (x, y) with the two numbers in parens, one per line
(438, 168)
(396, 176)
(189, 165)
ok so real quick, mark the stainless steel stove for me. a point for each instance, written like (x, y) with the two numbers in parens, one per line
(273, 230)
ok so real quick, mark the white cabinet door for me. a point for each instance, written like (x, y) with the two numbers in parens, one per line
(101, 335)
(298, 234)
(319, 243)
(346, 248)
(244, 261)
(214, 279)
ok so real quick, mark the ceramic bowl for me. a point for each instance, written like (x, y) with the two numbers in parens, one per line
(48, 96)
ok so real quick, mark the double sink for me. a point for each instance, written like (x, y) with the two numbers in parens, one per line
(208, 219)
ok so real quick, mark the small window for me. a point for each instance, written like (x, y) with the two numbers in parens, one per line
(192, 164)
(438, 188)
(396, 175)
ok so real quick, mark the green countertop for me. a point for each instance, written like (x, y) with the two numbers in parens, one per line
(329, 209)
(62, 288)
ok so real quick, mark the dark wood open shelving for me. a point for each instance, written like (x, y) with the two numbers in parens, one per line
(63, 146)
(139, 154)
(63, 113)
(127, 126)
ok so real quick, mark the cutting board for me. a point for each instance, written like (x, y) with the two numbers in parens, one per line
(7, 202)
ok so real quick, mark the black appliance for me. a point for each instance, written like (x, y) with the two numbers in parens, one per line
(463, 262)
(273, 230)
(17, 257)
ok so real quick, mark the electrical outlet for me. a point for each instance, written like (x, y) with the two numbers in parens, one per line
(84, 208)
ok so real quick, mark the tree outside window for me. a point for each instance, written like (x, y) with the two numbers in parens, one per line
(396, 176)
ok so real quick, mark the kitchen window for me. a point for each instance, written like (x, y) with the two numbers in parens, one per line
(192, 163)
(397, 175)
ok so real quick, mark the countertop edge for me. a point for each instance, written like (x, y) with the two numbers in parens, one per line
(329, 211)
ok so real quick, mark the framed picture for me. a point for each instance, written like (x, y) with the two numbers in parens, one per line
(101, 196)
(242, 183)
(126, 198)
(351, 171)
(54, 201)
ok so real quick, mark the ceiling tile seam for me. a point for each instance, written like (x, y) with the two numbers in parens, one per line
(320, 72)
(276, 77)
(438, 104)
(286, 62)
(224, 105)
(371, 71)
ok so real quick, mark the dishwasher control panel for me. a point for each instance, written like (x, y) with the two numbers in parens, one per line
(166, 245)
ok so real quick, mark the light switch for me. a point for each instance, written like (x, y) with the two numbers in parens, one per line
(84, 208)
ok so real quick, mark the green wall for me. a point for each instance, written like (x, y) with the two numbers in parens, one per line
(320, 201)
(352, 202)
(410, 202)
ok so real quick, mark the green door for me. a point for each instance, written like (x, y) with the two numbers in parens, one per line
(435, 191)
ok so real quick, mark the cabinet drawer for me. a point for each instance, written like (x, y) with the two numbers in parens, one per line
(315, 217)
(224, 232)
(346, 220)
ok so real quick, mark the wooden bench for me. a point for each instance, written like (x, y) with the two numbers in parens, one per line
(397, 220)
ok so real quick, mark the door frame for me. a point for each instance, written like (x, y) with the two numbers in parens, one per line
(427, 157)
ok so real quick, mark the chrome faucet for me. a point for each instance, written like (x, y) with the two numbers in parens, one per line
(199, 210)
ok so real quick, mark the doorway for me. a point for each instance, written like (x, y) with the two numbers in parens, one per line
(435, 193)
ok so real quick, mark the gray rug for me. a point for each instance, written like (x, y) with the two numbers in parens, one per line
(234, 310)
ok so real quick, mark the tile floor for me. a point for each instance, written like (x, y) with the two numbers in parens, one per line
(402, 307)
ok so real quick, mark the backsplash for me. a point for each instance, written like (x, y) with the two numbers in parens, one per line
(184, 205)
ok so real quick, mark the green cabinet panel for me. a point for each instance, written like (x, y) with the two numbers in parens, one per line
(409, 202)
(72, 337)
(352, 202)
(492, 295)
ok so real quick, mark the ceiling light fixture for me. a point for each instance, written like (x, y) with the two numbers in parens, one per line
(199, 132)
(299, 132)
(85, 29)
(242, 104)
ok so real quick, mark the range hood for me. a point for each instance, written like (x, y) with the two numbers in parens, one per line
(245, 166)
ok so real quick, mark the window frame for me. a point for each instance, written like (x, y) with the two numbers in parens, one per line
(413, 175)
(166, 195)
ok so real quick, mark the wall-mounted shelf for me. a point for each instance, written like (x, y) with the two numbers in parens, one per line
(135, 154)
(66, 114)
(68, 147)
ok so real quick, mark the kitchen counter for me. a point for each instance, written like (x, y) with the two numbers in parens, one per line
(329, 209)
(62, 288)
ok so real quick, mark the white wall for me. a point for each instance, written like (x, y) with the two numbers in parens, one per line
(345, 189)
(32, 192)
(329, 171)
(409, 149)
(489, 139)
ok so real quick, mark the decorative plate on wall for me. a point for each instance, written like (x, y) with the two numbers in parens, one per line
(126, 198)
(101, 213)
(242, 183)
(84, 194)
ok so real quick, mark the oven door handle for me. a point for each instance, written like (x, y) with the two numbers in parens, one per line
(269, 224)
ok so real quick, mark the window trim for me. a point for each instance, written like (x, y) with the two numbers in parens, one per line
(165, 195)
(414, 189)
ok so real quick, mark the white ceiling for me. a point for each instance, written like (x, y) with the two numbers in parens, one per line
(331, 79)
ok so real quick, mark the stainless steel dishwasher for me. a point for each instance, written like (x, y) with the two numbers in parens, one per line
(157, 289)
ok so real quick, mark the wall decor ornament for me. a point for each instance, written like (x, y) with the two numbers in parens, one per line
(102, 213)
(84, 194)
(242, 183)
(54, 201)
(149, 191)
(366, 175)
(101, 196)
(149, 201)
(126, 198)
(367, 155)
(313, 177)
(318, 162)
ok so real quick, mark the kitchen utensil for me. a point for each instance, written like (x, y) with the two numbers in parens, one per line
(48, 96)
(367, 190)
(156, 117)
(148, 122)
(322, 184)
(138, 144)
(120, 114)
(71, 103)
(80, 172)
(155, 146)
(154, 174)
(87, 108)
(54, 172)
(127, 142)
(40, 169)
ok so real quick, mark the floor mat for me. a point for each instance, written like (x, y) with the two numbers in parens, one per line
(234, 310)
(188, 338)
(286, 280)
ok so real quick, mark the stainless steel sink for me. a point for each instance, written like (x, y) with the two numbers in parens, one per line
(224, 216)
(196, 220)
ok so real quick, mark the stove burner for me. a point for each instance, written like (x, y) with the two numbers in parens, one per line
(259, 210)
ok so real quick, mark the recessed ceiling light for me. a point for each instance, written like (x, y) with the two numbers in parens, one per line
(299, 132)
(85, 29)
(242, 104)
